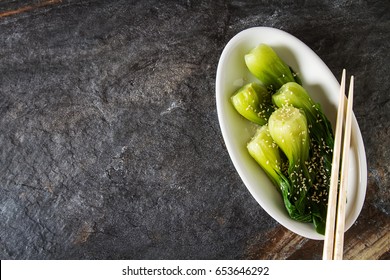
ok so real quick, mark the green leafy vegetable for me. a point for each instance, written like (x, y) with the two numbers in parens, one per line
(295, 95)
(267, 154)
(294, 142)
(322, 141)
(269, 68)
(288, 128)
(253, 102)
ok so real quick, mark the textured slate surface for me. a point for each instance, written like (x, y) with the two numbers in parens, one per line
(110, 146)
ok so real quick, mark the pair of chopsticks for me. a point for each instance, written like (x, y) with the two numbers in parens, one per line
(335, 220)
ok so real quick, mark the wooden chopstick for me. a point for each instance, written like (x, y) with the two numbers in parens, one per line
(335, 224)
(332, 196)
(341, 203)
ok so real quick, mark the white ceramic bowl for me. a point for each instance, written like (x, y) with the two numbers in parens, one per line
(323, 87)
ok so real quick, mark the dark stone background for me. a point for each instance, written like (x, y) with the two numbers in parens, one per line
(110, 146)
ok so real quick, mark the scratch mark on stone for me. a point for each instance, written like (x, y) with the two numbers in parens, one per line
(172, 106)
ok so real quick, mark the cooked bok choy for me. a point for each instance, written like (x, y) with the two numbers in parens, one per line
(267, 154)
(322, 141)
(288, 128)
(293, 94)
(269, 68)
(253, 102)
(294, 142)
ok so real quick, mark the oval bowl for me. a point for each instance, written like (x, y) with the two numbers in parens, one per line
(322, 86)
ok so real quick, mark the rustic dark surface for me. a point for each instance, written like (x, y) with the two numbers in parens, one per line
(110, 146)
